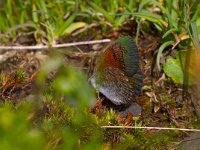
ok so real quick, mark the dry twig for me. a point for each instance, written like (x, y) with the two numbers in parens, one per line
(38, 47)
(152, 128)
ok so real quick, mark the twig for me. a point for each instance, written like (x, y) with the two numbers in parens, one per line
(154, 128)
(37, 47)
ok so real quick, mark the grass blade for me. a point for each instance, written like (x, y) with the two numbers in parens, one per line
(169, 32)
(195, 33)
(66, 24)
(105, 13)
(162, 47)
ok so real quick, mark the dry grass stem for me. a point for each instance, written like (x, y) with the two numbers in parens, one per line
(38, 47)
(151, 128)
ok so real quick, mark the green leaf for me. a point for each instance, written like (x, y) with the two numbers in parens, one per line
(104, 12)
(195, 33)
(169, 32)
(145, 14)
(156, 3)
(162, 47)
(74, 26)
(176, 69)
(34, 13)
(65, 25)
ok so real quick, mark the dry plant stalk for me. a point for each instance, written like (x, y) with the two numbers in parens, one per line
(151, 128)
(39, 47)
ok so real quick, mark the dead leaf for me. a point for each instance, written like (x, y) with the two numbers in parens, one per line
(129, 119)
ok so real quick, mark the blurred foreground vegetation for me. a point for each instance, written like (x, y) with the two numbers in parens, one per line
(58, 115)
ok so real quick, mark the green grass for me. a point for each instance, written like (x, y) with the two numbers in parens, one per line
(63, 120)
(51, 20)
